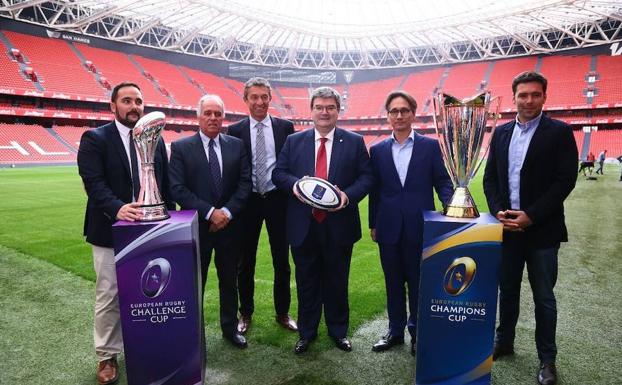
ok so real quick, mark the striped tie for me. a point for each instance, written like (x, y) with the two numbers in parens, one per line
(261, 170)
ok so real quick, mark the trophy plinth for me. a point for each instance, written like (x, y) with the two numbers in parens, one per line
(460, 126)
(146, 136)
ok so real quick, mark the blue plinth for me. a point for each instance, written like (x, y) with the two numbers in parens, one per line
(457, 299)
(160, 300)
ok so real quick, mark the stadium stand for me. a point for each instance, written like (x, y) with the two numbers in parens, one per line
(295, 100)
(230, 91)
(28, 144)
(610, 140)
(567, 79)
(367, 99)
(117, 68)
(421, 86)
(172, 80)
(58, 68)
(609, 80)
(465, 80)
(11, 76)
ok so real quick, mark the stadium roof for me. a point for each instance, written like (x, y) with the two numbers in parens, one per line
(336, 33)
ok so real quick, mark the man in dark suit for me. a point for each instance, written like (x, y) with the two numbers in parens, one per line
(263, 137)
(109, 169)
(407, 168)
(529, 173)
(209, 173)
(322, 241)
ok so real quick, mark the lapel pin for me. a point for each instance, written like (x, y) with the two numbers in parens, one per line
(340, 140)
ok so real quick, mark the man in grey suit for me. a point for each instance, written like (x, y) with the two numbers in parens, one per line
(209, 173)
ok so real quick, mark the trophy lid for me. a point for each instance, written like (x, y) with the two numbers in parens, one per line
(153, 121)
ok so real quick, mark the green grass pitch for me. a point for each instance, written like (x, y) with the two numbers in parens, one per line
(47, 291)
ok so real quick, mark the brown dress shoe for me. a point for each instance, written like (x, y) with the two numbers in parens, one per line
(287, 322)
(107, 372)
(244, 323)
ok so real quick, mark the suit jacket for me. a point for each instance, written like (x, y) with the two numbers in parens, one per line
(349, 169)
(395, 209)
(547, 177)
(105, 171)
(189, 175)
(281, 128)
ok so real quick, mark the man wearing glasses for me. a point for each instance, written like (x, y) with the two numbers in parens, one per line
(322, 240)
(407, 168)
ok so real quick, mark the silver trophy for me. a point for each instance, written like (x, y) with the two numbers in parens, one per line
(146, 136)
(460, 126)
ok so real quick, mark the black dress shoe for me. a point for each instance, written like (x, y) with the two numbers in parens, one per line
(547, 375)
(387, 342)
(500, 350)
(237, 339)
(343, 344)
(302, 346)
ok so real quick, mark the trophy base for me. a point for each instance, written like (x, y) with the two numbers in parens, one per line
(153, 213)
(461, 205)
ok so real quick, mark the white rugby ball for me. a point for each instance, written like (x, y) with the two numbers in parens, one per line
(318, 193)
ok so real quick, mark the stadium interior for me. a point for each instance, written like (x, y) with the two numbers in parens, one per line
(52, 89)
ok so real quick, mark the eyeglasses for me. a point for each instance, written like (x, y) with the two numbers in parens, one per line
(330, 108)
(395, 112)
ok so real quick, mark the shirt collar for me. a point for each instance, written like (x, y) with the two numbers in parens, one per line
(205, 139)
(266, 121)
(328, 136)
(533, 123)
(411, 137)
(123, 130)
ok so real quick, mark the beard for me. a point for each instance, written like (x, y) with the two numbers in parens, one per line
(130, 118)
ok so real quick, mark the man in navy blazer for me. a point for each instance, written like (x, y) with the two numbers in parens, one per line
(209, 173)
(263, 136)
(531, 169)
(104, 163)
(322, 241)
(407, 168)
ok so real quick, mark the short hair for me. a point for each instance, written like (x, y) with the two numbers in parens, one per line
(528, 77)
(326, 93)
(401, 94)
(257, 82)
(115, 90)
(214, 97)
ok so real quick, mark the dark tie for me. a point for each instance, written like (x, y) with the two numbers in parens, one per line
(214, 169)
(321, 172)
(134, 166)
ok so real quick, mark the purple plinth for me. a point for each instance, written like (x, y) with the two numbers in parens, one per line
(158, 275)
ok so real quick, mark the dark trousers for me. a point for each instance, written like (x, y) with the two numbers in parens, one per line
(322, 271)
(542, 272)
(227, 253)
(599, 170)
(400, 264)
(271, 208)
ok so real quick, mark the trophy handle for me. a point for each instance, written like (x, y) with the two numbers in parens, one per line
(495, 104)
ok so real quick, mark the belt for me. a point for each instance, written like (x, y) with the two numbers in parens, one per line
(266, 194)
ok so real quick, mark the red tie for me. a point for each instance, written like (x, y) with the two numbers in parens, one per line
(320, 172)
